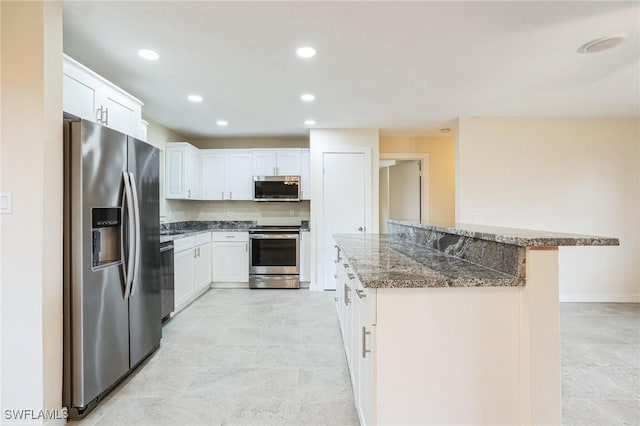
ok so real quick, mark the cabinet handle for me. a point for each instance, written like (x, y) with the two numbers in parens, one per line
(198, 251)
(188, 193)
(335, 276)
(222, 196)
(99, 115)
(335, 299)
(351, 276)
(274, 171)
(347, 300)
(346, 265)
(106, 113)
(361, 229)
(246, 247)
(231, 195)
(364, 342)
(195, 253)
(361, 294)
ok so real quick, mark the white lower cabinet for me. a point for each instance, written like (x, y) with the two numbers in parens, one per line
(305, 256)
(356, 312)
(230, 257)
(183, 271)
(192, 268)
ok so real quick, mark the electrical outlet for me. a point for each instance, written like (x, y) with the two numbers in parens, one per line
(227, 213)
(477, 217)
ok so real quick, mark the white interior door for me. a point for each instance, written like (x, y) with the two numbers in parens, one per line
(344, 205)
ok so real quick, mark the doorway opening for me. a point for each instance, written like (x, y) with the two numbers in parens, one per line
(403, 188)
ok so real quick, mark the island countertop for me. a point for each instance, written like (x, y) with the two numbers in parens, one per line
(380, 262)
(514, 236)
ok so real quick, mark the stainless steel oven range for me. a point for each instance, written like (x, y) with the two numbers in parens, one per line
(274, 257)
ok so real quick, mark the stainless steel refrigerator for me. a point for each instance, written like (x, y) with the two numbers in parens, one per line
(112, 318)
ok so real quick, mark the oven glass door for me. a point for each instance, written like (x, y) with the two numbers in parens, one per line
(276, 190)
(274, 255)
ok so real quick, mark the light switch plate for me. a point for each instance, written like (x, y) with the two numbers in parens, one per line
(5, 202)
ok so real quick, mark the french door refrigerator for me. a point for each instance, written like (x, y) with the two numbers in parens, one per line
(112, 317)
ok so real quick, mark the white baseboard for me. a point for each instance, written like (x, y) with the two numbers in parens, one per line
(601, 297)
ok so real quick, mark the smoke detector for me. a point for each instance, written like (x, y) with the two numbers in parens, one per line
(601, 44)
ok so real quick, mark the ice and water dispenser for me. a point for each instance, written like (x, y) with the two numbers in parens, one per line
(106, 225)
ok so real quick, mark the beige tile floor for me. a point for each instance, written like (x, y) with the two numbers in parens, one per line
(241, 357)
(600, 364)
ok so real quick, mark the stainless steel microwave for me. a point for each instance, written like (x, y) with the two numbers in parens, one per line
(276, 188)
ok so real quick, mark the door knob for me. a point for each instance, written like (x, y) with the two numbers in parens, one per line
(360, 229)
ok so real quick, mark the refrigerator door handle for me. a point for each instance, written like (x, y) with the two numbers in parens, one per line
(136, 212)
(128, 267)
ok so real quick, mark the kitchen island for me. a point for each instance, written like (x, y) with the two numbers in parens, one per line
(453, 324)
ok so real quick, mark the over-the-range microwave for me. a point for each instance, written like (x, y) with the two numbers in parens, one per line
(276, 188)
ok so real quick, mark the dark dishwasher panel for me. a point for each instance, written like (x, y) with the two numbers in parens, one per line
(166, 279)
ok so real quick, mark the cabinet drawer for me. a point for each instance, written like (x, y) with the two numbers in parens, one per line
(203, 238)
(182, 244)
(230, 236)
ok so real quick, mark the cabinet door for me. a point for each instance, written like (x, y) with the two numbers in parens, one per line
(288, 162)
(192, 169)
(214, 175)
(365, 353)
(202, 266)
(240, 175)
(78, 97)
(183, 277)
(305, 256)
(305, 175)
(175, 162)
(264, 163)
(230, 262)
(120, 113)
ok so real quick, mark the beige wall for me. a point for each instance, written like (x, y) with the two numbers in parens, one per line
(263, 213)
(31, 240)
(404, 191)
(441, 152)
(566, 175)
(383, 199)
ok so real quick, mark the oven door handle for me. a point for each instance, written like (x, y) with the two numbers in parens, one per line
(274, 236)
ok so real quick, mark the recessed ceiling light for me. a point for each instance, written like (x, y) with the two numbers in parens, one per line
(195, 98)
(601, 44)
(148, 54)
(310, 122)
(306, 52)
(222, 123)
(307, 97)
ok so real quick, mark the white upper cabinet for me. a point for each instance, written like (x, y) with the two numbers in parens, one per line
(240, 175)
(264, 162)
(182, 174)
(214, 174)
(288, 163)
(305, 175)
(227, 174)
(276, 162)
(92, 97)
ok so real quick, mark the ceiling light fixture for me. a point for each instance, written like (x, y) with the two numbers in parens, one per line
(306, 52)
(307, 97)
(148, 54)
(601, 44)
(310, 122)
(195, 98)
(222, 123)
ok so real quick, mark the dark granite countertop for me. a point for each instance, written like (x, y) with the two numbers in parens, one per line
(514, 236)
(176, 230)
(380, 263)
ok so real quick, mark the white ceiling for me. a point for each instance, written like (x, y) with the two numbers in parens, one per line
(402, 67)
